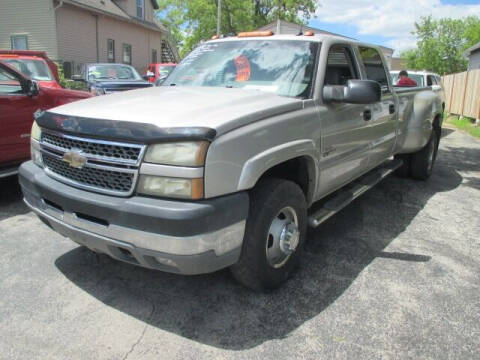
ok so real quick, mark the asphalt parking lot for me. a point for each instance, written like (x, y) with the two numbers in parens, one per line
(394, 275)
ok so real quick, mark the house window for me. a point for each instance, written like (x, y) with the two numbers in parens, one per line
(141, 9)
(19, 42)
(154, 56)
(127, 54)
(111, 50)
(67, 69)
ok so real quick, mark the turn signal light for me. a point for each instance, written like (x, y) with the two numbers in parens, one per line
(309, 33)
(215, 37)
(255, 33)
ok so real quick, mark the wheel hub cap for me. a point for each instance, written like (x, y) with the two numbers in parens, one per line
(289, 238)
(283, 237)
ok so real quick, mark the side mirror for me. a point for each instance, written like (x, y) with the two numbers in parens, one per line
(31, 88)
(356, 92)
(147, 77)
(161, 80)
(78, 78)
(436, 87)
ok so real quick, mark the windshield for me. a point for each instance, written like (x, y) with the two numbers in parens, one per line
(35, 69)
(415, 77)
(285, 68)
(164, 70)
(112, 72)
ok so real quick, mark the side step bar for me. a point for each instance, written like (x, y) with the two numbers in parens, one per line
(352, 191)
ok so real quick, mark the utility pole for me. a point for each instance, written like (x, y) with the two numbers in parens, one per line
(219, 17)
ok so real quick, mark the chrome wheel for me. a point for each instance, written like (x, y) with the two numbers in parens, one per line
(283, 237)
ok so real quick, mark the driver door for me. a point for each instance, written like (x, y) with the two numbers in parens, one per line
(344, 140)
(16, 117)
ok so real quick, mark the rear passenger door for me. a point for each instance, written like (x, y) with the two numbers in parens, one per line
(344, 151)
(383, 122)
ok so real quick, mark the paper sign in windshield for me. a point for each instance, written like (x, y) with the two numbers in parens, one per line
(243, 68)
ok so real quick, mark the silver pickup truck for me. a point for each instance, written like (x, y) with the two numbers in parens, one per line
(250, 140)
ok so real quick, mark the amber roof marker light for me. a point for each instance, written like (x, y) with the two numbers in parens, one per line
(215, 37)
(255, 33)
(309, 33)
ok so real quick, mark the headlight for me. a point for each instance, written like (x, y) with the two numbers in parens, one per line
(36, 132)
(35, 135)
(179, 153)
(171, 187)
(97, 91)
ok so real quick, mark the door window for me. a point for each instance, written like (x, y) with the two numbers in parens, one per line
(373, 66)
(340, 66)
(9, 84)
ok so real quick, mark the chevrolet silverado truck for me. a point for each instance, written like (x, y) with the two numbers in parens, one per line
(251, 139)
(20, 98)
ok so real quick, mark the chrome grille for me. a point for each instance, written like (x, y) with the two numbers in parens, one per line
(98, 178)
(110, 167)
(96, 148)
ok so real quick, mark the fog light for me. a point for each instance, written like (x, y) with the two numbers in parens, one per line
(165, 261)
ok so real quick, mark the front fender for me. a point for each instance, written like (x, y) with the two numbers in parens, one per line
(257, 165)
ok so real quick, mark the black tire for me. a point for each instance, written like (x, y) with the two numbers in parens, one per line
(267, 200)
(424, 159)
(404, 171)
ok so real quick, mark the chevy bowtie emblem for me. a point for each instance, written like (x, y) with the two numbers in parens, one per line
(75, 159)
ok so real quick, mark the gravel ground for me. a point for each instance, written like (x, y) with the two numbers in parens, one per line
(394, 275)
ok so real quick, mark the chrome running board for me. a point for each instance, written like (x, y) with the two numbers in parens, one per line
(352, 191)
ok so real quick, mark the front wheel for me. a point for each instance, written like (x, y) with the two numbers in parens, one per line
(274, 236)
(422, 161)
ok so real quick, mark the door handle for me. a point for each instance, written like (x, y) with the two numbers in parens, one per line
(391, 109)
(367, 115)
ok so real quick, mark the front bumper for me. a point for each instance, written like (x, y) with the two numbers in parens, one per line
(173, 236)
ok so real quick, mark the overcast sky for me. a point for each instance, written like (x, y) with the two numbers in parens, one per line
(386, 22)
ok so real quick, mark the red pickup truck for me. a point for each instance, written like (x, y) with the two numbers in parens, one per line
(20, 98)
(158, 72)
(34, 64)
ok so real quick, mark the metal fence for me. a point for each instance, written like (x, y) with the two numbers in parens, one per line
(462, 92)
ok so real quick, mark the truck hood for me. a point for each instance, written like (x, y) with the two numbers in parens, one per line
(220, 109)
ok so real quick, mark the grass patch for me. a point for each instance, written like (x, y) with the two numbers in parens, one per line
(466, 124)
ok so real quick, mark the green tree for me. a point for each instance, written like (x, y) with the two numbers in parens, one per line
(195, 20)
(441, 43)
(472, 30)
